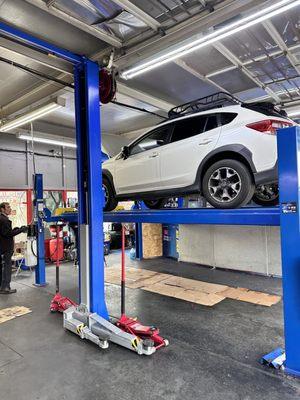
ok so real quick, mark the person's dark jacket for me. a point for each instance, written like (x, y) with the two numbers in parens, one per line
(7, 234)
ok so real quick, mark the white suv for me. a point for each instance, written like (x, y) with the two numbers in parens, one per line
(227, 154)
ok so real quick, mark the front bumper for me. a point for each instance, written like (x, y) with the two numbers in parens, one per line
(267, 176)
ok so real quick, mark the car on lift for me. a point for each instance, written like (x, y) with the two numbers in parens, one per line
(216, 146)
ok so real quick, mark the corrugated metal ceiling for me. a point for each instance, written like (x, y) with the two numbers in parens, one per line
(260, 58)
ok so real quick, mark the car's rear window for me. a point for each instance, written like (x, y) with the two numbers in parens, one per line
(226, 118)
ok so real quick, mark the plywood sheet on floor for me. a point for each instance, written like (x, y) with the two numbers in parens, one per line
(193, 296)
(191, 284)
(6, 314)
(199, 292)
(250, 296)
(135, 278)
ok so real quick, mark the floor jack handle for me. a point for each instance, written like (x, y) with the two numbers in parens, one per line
(123, 273)
(57, 261)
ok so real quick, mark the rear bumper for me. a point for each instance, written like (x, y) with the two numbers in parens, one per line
(268, 176)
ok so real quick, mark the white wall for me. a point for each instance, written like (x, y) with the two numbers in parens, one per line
(245, 248)
(16, 165)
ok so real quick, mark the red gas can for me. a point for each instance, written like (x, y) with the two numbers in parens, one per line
(56, 249)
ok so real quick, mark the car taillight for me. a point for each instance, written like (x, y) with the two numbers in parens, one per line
(269, 126)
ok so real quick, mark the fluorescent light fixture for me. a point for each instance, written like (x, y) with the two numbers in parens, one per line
(60, 143)
(219, 34)
(294, 113)
(33, 115)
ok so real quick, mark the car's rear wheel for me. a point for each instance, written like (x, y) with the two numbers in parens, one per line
(266, 195)
(110, 202)
(228, 184)
(155, 204)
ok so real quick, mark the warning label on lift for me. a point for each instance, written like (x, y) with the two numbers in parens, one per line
(288, 208)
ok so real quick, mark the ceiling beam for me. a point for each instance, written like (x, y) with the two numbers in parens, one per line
(238, 63)
(17, 50)
(195, 25)
(144, 97)
(138, 13)
(275, 35)
(96, 32)
(263, 57)
(197, 74)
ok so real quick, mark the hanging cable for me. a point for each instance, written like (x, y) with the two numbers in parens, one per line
(36, 73)
(138, 109)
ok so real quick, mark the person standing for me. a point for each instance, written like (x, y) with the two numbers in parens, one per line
(7, 235)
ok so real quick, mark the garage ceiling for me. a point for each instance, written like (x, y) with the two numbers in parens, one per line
(261, 62)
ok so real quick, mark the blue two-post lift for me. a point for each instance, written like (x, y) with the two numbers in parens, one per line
(91, 216)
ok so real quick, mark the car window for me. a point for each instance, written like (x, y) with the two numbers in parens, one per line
(211, 123)
(157, 138)
(193, 126)
(226, 118)
(188, 127)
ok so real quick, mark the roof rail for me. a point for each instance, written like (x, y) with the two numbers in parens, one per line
(218, 99)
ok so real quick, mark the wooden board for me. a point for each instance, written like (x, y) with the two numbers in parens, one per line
(135, 278)
(199, 292)
(6, 314)
(152, 240)
(250, 296)
(192, 284)
(205, 299)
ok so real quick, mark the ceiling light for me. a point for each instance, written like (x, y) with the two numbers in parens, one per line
(60, 143)
(33, 115)
(294, 113)
(217, 35)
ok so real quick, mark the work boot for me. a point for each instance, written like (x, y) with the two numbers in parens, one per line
(8, 291)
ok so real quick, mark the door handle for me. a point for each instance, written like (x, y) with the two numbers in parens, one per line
(153, 155)
(204, 142)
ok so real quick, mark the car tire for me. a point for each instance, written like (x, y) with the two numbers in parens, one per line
(228, 184)
(155, 204)
(266, 195)
(110, 202)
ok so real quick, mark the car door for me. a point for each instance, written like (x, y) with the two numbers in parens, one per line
(191, 140)
(140, 172)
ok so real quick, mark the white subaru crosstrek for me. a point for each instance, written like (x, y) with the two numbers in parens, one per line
(228, 154)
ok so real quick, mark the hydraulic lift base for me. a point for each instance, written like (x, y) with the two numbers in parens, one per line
(100, 331)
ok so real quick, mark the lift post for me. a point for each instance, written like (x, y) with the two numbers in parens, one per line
(90, 196)
(288, 142)
(40, 270)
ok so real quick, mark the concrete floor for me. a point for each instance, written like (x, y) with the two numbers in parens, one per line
(213, 352)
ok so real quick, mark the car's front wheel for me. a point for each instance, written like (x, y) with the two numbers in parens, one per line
(110, 202)
(228, 184)
(266, 195)
(155, 204)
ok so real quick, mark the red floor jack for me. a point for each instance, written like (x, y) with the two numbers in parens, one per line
(59, 303)
(132, 325)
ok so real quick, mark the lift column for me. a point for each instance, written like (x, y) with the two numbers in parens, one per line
(40, 270)
(288, 141)
(90, 195)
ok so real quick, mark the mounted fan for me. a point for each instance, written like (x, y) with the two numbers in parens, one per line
(107, 86)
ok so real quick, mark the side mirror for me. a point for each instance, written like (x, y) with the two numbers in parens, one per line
(125, 152)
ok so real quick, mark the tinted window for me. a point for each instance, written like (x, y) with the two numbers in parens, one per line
(157, 138)
(211, 123)
(188, 127)
(193, 126)
(226, 118)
